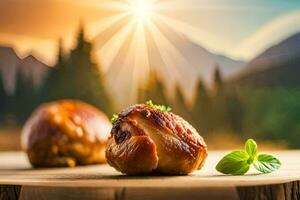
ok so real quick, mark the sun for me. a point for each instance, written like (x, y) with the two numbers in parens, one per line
(141, 10)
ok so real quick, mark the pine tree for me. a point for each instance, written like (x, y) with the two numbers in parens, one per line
(24, 100)
(154, 90)
(60, 57)
(227, 108)
(218, 82)
(179, 107)
(3, 97)
(88, 75)
(77, 77)
(202, 109)
(19, 99)
(58, 80)
(235, 110)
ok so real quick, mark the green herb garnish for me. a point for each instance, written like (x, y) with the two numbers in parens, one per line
(238, 162)
(114, 119)
(162, 108)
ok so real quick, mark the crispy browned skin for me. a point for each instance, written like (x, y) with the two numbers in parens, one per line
(146, 140)
(65, 133)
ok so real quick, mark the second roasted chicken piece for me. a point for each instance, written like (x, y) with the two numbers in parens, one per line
(145, 139)
(66, 133)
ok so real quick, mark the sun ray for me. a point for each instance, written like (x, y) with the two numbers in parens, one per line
(112, 5)
(120, 82)
(97, 27)
(157, 66)
(106, 34)
(200, 36)
(154, 55)
(135, 60)
(130, 78)
(183, 66)
(186, 49)
(182, 40)
(139, 62)
(116, 66)
(172, 58)
(141, 56)
(144, 48)
(118, 73)
(111, 48)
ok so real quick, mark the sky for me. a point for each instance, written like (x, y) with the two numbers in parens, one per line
(237, 23)
(119, 29)
(236, 28)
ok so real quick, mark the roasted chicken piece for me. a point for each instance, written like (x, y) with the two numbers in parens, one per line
(66, 133)
(146, 140)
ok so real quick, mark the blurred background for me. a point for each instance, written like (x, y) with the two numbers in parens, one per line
(231, 68)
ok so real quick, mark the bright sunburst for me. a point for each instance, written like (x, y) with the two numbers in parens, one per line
(137, 39)
(141, 9)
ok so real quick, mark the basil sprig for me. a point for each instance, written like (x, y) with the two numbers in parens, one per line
(114, 119)
(238, 162)
(162, 108)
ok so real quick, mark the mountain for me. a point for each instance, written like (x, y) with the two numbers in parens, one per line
(199, 58)
(282, 52)
(30, 68)
(205, 62)
(33, 70)
(281, 74)
(279, 65)
(9, 62)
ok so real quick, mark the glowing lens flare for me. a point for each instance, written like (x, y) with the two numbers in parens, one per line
(141, 9)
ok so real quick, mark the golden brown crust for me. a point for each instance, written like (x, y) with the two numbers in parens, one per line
(65, 133)
(179, 149)
(137, 155)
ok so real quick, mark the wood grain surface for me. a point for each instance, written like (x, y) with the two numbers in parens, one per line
(19, 180)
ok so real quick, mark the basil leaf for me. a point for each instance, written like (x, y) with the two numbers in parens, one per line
(234, 163)
(266, 163)
(251, 148)
(243, 170)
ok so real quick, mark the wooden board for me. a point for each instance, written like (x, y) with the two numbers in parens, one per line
(15, 171)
